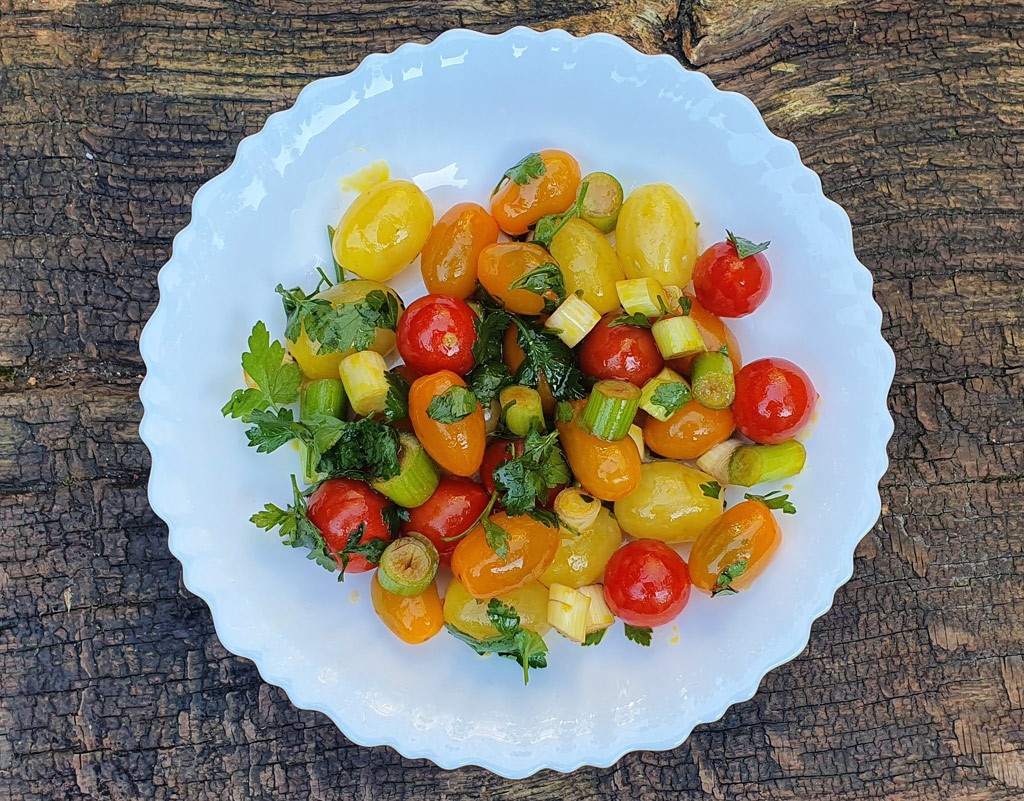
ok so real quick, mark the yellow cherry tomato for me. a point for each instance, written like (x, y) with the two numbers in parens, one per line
(656, 235)
(311, 361)
(383, 230)
(588, 263)
(469, 615)
(669, 504)
(731, 552)
(531, 547)
(580, 558)
(607, 470)
(412, 619)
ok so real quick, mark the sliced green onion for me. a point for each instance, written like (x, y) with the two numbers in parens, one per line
(417, 477)
(641, 296)
(660, 403)
(637, 435)
(712, 381)
(610, 409)
(521, 409)
(567, 611)
(573, 320)
(576, 509)
(323, 396)
(599, 616)
(365, 380)
(755, 464)
(677, 336)
(408, 565)
(603, 201)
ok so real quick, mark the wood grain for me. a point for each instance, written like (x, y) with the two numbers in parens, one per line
(114, 685)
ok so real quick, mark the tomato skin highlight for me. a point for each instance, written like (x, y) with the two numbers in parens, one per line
(646, 583)
(690, 432)
(623, 352)
(413, 619)
(437, 332)
(774, 400)
(338, 507)
(728, 285)
(515, 208)
(747, 532)
(457, 447)
(456, 504)
(449, 257)
(484, 574)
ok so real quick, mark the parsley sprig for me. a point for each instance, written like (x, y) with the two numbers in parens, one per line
(454, 404)
(523, 171)
(641, 635)
(546, 355)
(711, 489)
(774, 500)
(277, 382)
(744, 247)
(550, 224)
(671, 396)
(523, 481)
(723, 584)
(295, 529)
(542, 280)
(351, 325)
(513, 641)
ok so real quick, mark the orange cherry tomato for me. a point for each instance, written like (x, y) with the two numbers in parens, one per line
(516, 206)
(449, 258)
(714, 332)
(607, 470)
(514, 356)
(457, 447)
(484, 574)
(412, 619)
(741, 542)
(503, 264)
(689, 433)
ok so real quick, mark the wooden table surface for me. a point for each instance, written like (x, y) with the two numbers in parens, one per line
(112, 682)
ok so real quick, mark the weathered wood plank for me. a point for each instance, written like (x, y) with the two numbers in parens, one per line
(114, 684)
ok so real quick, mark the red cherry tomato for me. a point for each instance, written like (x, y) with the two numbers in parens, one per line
(499, 452)
(728, 285)
(452, 509)
(437, 332)
(774, 400)
(646, 583)
(625, 352)
(338, 507)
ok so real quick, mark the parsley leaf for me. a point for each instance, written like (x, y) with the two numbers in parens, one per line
(489, 334)
(594, 637)
(724, 350)
(513, 641)
(546, 355)
(396, 403)
(744, 247)
(393, 517)
(348, 326)
(563, 412)
(671, 396)
(550, 224)
(496, 537)
(452, 405)
(364, 449)
(774, 500)
(371, 550)
(277, 382)
(541, 280)
(723, 586)
(638, 634)
(712, 489)
(271, 430)
(295, 529)
(523, 482)
(525, 170)
(487, 380)
(639, 319)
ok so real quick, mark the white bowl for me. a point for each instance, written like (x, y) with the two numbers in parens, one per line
(453, 114)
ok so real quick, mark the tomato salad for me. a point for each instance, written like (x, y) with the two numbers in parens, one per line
(566, 412)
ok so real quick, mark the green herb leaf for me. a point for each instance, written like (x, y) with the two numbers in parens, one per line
(563, 412)
(546, 355)
(244, 402)
(685, 305)
(487, 380)
(671, 396)
(712, 489)
(394, 516)
(272, 429)
(594, 637)
(541, 280)
(295, 528)
(639, 319)
(496, 537)
(339, 271)
(277, 383)
(723, 585)
(371, 550)
(774, 500)
(348, 326)
(549, 225)
(490, 332)
(724, 350)
(452, 405)
(396, 404)
(513, 641)
(525, 170)
(523, 482)
(638, 634)
(744, 247)
(364, 449)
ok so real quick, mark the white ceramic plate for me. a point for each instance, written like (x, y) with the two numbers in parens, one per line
(453, 114)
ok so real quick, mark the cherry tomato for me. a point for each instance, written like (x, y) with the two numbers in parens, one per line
(714, 332)
(456, 504)
(517, 206)
(449, 257)
(514, 356)
(741, 541)
(499, 452)
(774, 400)
(607, 470)
(457, 447)
(728, 285)
(689, 433)
(338, 507)
(413, 619)
(484, 574)
(625, 352)
(646, 583)
(501, 265)
(437, 332)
